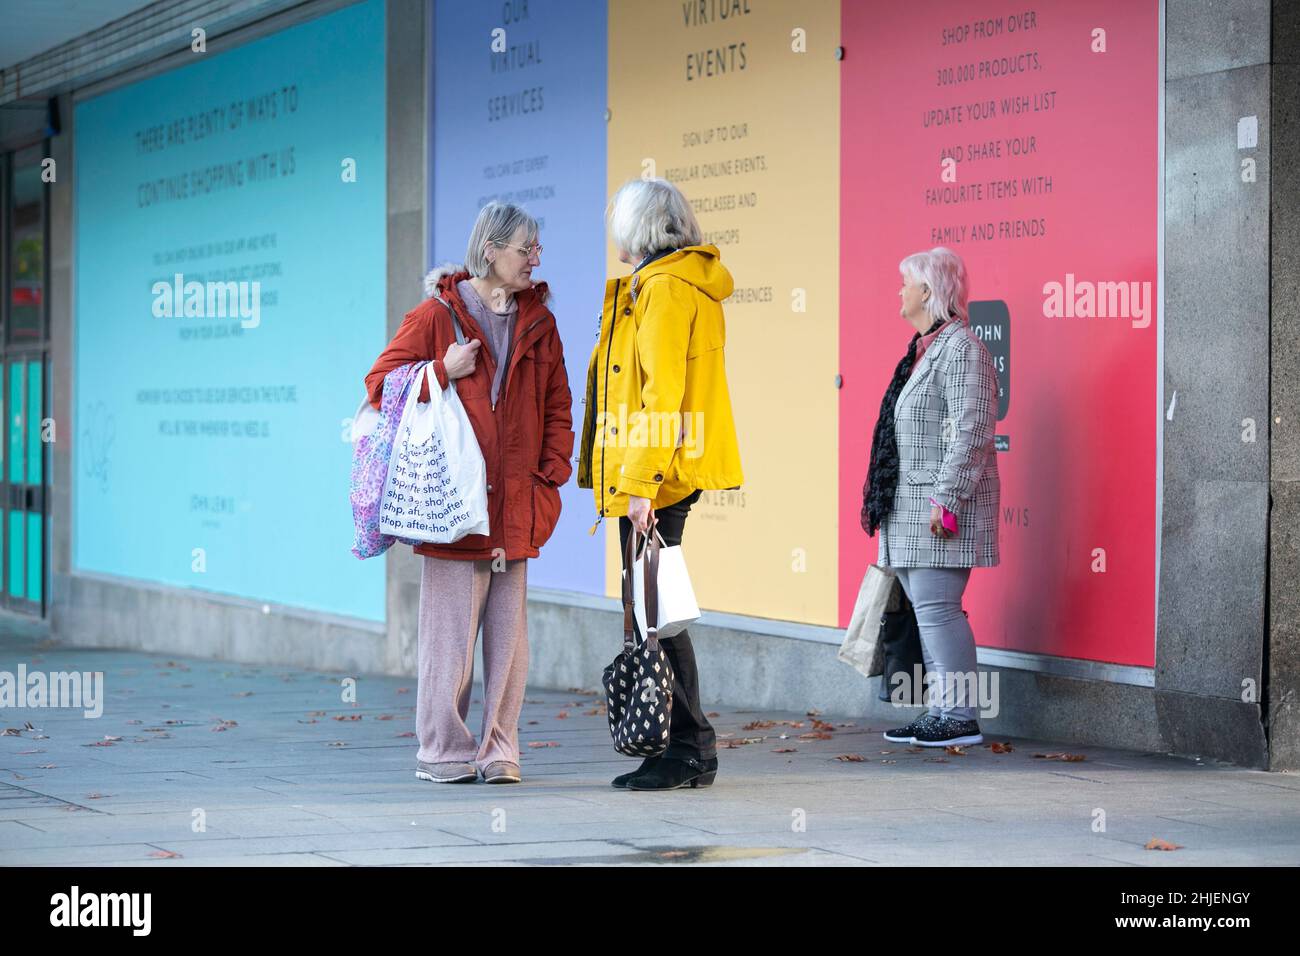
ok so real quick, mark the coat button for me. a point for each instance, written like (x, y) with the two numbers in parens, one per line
(613, 429)
(615, 368)
(659, 477)
(489, 489)
(627, 311)
(613, 490)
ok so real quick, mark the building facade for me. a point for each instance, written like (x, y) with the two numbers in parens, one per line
(1119, 177)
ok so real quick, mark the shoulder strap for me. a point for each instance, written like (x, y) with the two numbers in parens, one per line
(455, 320)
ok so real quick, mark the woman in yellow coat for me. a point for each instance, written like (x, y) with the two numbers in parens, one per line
(659, 427)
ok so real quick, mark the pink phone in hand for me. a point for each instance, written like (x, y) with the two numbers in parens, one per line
(946, 517)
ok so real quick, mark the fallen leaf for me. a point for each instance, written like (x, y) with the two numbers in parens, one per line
(759, 725)
(785, 750)
(562, 715)
(822, 725)
(1155, 843)
(998, 748)
(385, 717)
(405, 733)
(95, 796)
(134, 721)
(815, 735)
(347, 717)
(101, 743)
(886, 751)
(851, 758)
(18, 776)
(596, 712)
(1072, 758)
(812, 713)
(338, 743)
(403, 690)
(317, 713)
(312, 721)
(914, 750)
(536, 744)
(713, 713)
(165, 855)
(955, 750)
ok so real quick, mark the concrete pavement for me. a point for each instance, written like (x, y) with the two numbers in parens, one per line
(199, 762)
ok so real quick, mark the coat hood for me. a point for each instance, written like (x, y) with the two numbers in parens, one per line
(440, 278)
(701, 266)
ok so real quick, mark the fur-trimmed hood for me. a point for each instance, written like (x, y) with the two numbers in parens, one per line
(434, 278)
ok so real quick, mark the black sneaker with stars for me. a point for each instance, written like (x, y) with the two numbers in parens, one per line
(948, 732)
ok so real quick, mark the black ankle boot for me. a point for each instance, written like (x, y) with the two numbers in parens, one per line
(622, 779)
(672, 773)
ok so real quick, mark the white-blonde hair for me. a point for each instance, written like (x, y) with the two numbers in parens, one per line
(649, 215)
(944, 274)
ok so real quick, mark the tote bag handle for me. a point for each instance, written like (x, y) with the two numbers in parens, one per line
(651, 570)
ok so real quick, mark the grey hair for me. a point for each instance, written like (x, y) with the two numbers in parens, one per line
(497, 222)
(944, 274)
(648, 215)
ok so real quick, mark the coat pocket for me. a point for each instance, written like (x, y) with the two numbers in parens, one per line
(546, 509)
(922, 476)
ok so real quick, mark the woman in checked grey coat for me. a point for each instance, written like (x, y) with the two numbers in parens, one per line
(933, 487)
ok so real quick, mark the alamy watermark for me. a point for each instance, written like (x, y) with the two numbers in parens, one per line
(653, 429)
(55, 689)
(1084, 299)
(957, 688)
(197, 300)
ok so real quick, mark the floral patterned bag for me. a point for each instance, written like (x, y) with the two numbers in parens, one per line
(372, 447)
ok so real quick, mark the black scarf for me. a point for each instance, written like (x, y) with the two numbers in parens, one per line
(882, 476)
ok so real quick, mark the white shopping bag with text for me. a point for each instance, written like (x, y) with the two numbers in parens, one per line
(436, 491)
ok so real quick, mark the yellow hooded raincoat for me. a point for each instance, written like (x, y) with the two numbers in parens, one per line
(658, 420)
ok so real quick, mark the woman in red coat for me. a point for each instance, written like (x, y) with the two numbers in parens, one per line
(511, 379)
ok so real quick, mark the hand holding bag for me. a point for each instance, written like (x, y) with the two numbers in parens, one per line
(675, 596)
(862, 647)
(639, 681)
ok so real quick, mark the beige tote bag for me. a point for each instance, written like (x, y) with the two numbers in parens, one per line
(862, 648)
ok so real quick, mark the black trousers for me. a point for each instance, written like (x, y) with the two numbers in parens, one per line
(689, 732)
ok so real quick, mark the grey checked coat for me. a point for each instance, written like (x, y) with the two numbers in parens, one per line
(944, 421)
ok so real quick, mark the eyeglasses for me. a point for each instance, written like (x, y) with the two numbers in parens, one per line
(526, 251)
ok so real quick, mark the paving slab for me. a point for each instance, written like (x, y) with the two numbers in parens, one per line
(280, 782)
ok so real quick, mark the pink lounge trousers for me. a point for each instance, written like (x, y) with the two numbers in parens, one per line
(455, 598)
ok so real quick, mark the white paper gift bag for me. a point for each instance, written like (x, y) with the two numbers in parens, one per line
(678, 609)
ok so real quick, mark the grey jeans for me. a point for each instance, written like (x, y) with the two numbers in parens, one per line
(947, 642)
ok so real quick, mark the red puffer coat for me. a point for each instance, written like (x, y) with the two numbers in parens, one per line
(526, 439)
